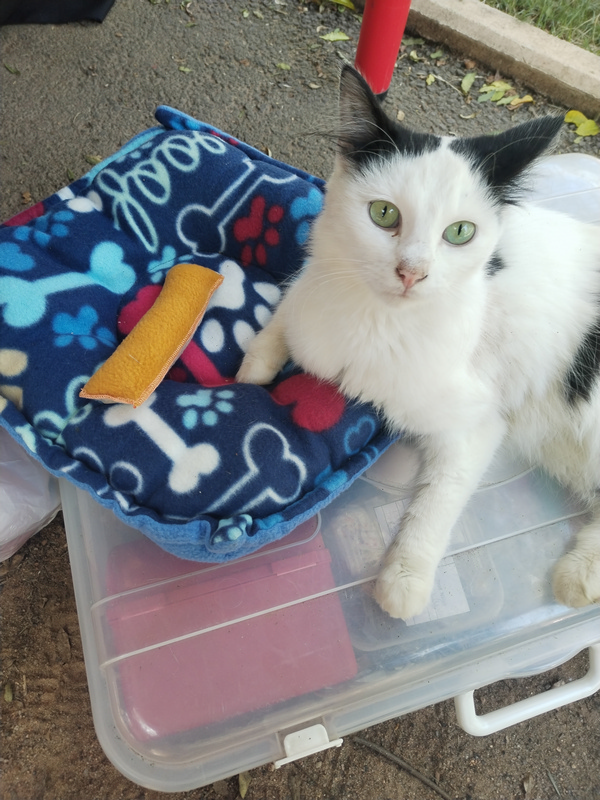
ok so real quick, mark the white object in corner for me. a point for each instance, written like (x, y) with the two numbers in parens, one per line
(484, 724)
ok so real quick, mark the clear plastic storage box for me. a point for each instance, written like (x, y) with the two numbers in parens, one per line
(200, 671)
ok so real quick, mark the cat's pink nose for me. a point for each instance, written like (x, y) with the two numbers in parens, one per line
(409, 278)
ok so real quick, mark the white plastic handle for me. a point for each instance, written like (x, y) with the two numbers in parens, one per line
(484, 724)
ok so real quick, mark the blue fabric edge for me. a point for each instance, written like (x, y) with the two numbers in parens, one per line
(201, 528)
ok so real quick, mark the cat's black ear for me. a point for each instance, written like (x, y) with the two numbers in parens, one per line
(504, 158)
(366, 132)
(362, 119)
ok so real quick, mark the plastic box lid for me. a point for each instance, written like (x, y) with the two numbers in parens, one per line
(198, 672)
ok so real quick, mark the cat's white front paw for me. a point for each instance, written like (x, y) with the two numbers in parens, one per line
(403, 588)
(256, 369)
(266, 355)
(576, 580)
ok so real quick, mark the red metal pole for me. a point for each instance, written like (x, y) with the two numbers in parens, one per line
(379, 41)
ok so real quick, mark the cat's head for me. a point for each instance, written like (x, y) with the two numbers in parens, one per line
(417, 213)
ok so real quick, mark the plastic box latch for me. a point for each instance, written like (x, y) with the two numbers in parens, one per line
(306, 742)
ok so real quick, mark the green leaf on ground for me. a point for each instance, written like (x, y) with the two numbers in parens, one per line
(505, 101)
(430, 79)
(346, 3)
(467, 82)
(584, 126)
(575, 117)
(283, 65)
(588, 128)
(12, 70)
(335, 36)
(184, 69)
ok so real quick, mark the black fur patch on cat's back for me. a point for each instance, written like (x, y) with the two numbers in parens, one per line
(584, 370)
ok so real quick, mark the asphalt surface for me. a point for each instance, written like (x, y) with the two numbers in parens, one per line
(259, 70)
(74, 92)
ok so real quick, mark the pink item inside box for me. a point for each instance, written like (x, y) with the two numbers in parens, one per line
(197, 643)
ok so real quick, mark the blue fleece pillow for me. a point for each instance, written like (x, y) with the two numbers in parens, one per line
(207, 468)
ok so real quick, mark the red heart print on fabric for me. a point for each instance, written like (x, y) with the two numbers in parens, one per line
(318, 405)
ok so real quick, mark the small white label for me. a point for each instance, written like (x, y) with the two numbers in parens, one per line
(389, 517)
(448, 598)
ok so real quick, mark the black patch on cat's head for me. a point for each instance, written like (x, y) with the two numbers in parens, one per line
(366, 133)
(584, 371)
(503, 159)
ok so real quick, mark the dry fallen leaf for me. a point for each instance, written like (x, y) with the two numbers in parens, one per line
(244, 783)
(469, 63)
(26, 197)
(528, 784)
(93, 160)
(518, 101)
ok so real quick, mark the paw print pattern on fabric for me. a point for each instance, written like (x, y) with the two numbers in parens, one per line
(157, 269)
(44, 228)
(304, 209)
(205, 406)
(255, 234)
(13, 258)
(80, 328)
(238, 293)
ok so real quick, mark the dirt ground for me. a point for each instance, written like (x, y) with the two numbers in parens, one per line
(78, 91)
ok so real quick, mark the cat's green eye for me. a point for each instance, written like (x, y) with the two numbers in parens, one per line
(384, 214)
(459, 232)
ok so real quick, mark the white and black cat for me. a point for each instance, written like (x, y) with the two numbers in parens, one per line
(462, 313)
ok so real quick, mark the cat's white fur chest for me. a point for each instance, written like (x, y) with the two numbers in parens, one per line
(444, 358)
(406, 360)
